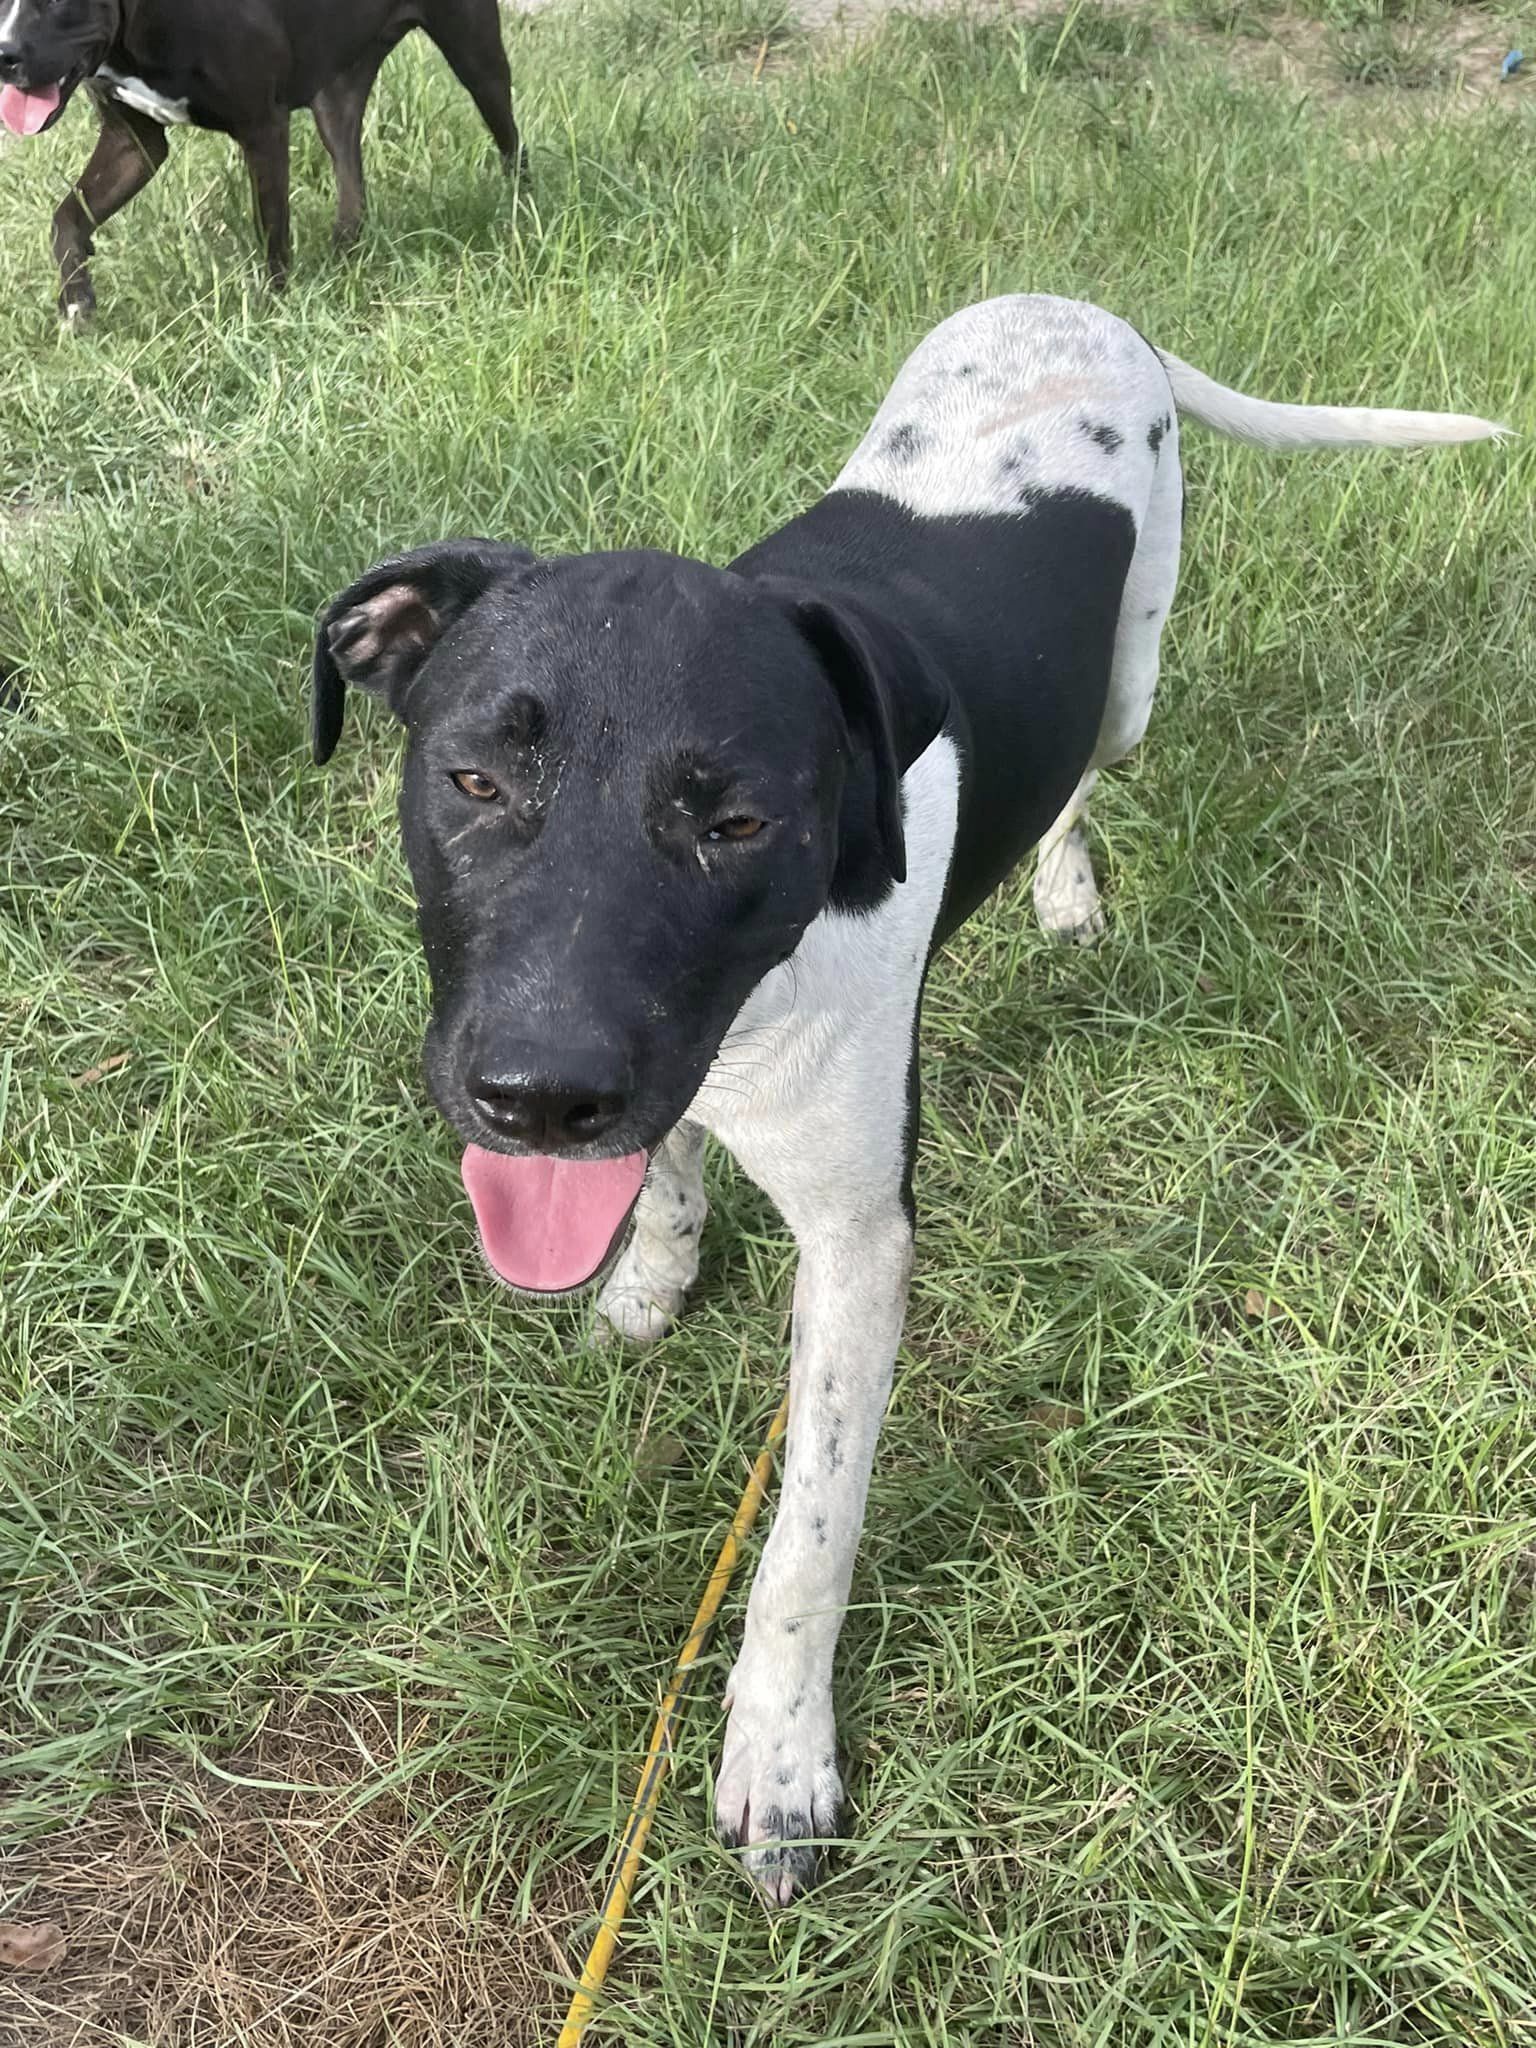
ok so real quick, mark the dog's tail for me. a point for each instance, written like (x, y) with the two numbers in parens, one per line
(1315, 426)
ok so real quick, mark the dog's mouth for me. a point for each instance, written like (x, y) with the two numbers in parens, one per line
(547, 1225)
(28, 110)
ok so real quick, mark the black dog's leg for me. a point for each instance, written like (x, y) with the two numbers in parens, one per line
(470, 39)
(129, 150)
(338, 113)
(266, 158)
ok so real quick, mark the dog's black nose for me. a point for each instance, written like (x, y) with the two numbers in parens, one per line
(10, 64)
(552, 1113)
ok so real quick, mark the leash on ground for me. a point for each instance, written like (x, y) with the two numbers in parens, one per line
(647, 1794)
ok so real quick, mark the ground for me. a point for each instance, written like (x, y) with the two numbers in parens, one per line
(1190, 1689)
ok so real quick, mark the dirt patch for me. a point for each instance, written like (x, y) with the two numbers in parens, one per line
(311, 1909)
(1437, 64)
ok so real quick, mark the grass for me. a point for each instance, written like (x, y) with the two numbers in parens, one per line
(1190, 1690)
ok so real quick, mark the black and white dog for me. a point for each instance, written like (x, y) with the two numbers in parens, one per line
(240, 66)
(685, 839)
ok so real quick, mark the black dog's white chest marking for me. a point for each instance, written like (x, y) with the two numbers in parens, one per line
(133, 92)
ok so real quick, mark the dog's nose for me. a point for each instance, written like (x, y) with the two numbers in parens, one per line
(549, 1111)
(10, 63)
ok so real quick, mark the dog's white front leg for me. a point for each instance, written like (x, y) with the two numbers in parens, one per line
(643, 1295)
(779, 1788)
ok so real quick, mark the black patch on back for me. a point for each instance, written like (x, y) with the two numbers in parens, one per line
(1108, 437)
(1015, 616)
(1157, 431)
(905, 442)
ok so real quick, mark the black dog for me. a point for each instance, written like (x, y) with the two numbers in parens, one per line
(238, 66)
(684, 842)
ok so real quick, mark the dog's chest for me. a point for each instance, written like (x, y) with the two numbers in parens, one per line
(144, 99)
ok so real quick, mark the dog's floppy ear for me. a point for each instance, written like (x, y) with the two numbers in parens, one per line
(892, 702)
(377, 634)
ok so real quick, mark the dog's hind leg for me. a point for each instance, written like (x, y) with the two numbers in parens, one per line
(129, 150)
(469, 36)
(1066, 894)
(644, 1294)
(338, 112)
(266, 158)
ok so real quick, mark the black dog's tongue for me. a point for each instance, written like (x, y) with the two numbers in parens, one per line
(25, 112)
(547, 1225)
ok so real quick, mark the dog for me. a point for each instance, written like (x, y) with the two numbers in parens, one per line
(238, 66)
(684, 843)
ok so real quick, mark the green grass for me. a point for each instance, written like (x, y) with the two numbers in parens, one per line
(1190, 1691)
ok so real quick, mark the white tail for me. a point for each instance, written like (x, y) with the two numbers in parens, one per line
(1315, 426)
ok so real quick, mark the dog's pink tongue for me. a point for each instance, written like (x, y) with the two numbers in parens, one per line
(25, 112)
(548, 1224)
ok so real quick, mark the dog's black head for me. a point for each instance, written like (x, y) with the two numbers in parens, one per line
(632, 781)
(46, 48)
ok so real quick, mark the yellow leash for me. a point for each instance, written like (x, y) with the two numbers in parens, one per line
(648, 1792)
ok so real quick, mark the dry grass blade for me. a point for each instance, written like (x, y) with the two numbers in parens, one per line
(302, 1908)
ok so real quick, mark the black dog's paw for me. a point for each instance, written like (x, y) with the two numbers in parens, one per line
(77, 305)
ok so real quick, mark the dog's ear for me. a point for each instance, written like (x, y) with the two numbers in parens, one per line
(892, 703)
(377, 634)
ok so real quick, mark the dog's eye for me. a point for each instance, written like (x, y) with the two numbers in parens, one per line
(474, 784)
(735, 828)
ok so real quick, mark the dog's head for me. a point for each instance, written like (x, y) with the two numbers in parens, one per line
(46, 48)
(631, 783)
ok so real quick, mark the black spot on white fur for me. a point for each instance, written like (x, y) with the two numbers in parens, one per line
(1108, 438)
(1156, 432)
(906, 442)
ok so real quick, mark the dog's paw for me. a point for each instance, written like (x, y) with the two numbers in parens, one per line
(638, 1313)
(1086, 932)
(1066, 895)
(77, 307)
(778, 1795)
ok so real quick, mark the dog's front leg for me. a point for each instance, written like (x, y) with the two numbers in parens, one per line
(644, 1294)
(778, 1787)
(129, 150)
